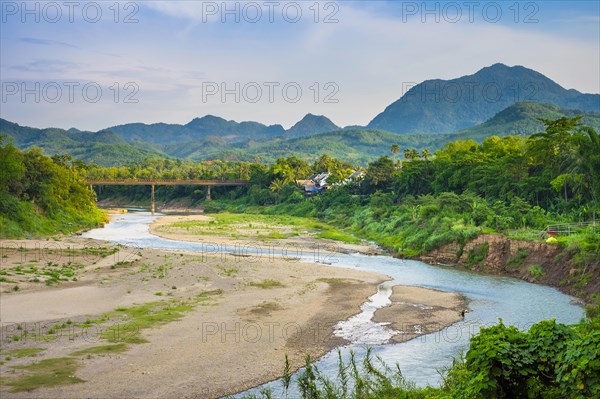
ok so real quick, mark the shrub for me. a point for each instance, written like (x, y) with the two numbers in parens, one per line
(536, 271)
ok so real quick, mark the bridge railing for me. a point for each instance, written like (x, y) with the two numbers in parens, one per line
(568, 228)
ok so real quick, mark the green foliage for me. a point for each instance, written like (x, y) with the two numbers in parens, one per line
(266, 284)
(41, 195)
(477, 254)
(369, 379)
(549, 361)
(101, 350)
(46, 373)
(536, 271)
(523, 119)
(517, 260)
(25, 352)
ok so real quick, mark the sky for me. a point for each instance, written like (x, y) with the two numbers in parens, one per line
(92, 65)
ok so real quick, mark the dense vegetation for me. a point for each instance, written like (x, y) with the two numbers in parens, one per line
(41, 195)
(418, 204)
(513, 185)
(550, 361)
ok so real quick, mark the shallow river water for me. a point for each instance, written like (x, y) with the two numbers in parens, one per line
(490, 297)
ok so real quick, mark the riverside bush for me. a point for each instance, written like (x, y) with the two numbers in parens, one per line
(550, 361)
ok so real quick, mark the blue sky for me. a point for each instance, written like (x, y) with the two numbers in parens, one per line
(170, 61)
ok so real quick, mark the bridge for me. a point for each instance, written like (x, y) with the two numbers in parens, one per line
(165, 182)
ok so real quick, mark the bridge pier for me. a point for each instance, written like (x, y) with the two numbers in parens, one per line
(208, 198)
(152, 206)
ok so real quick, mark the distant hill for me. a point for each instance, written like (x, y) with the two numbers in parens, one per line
(311, 125)
(197, 129)
(214, 127)
(428, 116)
(445, 106)
(104, 148)
(522, 119)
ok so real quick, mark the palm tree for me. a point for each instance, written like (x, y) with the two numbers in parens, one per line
(407, 153)
(414, 154)
(395, 149)
(426, 154)
(277, 185)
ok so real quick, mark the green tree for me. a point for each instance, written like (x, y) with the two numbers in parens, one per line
(380, 174)
(11, 167)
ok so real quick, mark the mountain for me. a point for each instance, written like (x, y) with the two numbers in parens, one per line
(427, 116)
(197, 129)
(214, 126)
(104, 148)
(211, 129)
(311, 125)
(158, 133)
(445, 106)
(522, 119)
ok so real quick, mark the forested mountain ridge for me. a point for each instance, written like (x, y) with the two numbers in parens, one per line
(445, 106)
(104, 147)
(423, 111)
(523, 119)
(196, 129)
(311, 125)
(212, 127)
(357, 145)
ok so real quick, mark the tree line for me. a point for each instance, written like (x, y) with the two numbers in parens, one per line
(43, 195)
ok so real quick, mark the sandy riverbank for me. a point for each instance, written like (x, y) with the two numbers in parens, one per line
(265, 308)
(417, 311)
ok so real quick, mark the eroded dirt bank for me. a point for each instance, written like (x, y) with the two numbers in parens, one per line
(533, 261)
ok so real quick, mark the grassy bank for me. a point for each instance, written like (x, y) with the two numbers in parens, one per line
(41, 196)
(19, 219)
(256, 226)
(121, 328)
(451, 229)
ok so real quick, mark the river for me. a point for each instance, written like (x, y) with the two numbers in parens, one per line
(517, 302)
